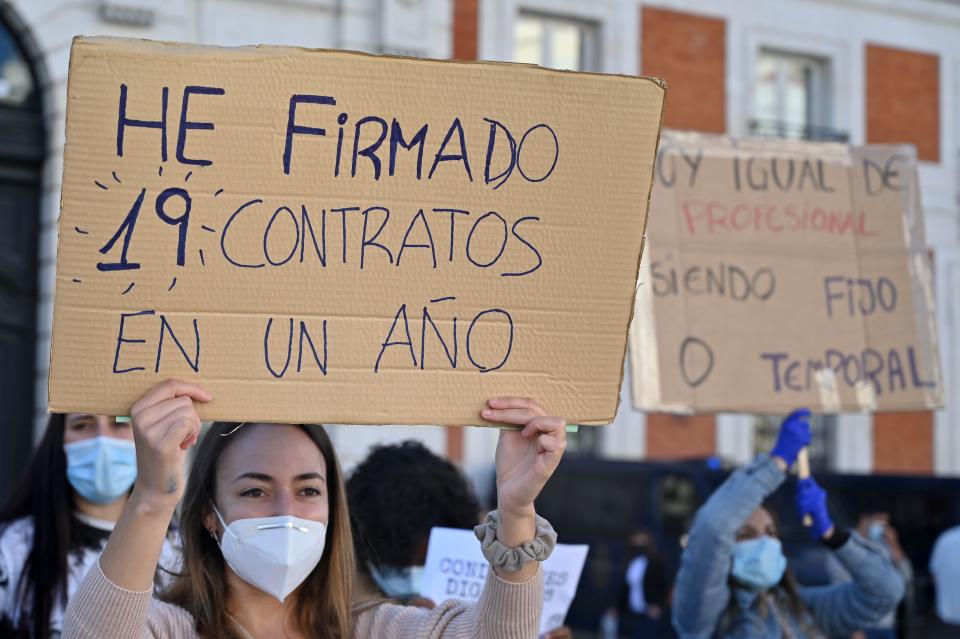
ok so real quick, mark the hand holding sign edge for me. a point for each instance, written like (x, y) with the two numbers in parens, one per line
(525, 460)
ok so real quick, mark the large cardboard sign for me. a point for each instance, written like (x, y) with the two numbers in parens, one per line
(456, 569)
(339, 237)
(780, 274)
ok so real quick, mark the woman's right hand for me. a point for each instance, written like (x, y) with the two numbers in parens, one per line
(794, 436)
(165, 426)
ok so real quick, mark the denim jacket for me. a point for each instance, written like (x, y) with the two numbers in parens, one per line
(703, 591)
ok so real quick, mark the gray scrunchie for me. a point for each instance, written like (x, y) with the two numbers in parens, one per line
(512, 559)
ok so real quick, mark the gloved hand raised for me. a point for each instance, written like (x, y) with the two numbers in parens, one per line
(794, 436)
(812, 501)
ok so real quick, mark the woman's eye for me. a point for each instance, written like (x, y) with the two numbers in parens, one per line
(311, 492)
(252, 492)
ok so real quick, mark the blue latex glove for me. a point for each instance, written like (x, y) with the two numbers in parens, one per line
(794, 436)
(812, 501)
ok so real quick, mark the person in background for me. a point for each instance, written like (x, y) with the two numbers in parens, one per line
(59, 517)
(945, 571)
(397, 495)
(267, 547)
(734, 581)
(874, 524)
(645, 591)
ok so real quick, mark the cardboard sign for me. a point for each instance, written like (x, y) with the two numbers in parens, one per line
(782, 274)
(339, 237)
(457, 569)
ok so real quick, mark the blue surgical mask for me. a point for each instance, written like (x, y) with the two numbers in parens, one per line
(759, 563)
(876, 531)
(101, 469)
(398, 583)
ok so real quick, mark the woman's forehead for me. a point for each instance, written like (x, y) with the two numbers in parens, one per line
(760, 520)
(278, 450)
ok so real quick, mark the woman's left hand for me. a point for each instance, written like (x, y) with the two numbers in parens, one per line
(526, 458)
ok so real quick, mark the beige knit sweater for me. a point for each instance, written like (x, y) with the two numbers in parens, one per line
(102, 610)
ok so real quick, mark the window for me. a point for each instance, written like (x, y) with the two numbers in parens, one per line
(558, 43)
(792, 97)
(16, 82)
(822, 429)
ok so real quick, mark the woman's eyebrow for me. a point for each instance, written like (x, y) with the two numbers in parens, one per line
(306, 476)
(258, 476)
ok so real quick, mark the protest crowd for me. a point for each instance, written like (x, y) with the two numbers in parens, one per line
(271, 541)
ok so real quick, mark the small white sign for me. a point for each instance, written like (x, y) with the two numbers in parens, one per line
(457, 569)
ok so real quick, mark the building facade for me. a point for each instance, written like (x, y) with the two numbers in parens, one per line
(857, 70)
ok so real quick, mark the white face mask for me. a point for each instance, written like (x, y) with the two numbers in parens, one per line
(274, 554)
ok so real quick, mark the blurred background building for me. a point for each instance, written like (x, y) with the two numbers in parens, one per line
(861, 71)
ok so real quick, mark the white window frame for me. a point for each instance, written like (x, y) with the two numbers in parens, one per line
(819, 114)
(840, 82)
(590, 30)
(616, 32)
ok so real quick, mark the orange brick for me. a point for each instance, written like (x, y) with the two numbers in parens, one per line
(455, 444)
(689, 52)
(679, 437)
(903, 99)
(903, 442)
(465, 19)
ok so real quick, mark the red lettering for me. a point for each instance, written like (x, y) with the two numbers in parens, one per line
(862, 225)
(716, 216)
(689, 217)
(735, 215)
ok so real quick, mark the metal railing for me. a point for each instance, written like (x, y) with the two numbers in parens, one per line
(793, 131)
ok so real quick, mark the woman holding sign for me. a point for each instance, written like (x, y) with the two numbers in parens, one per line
(734, 582)
(266, 535)
(59, 517)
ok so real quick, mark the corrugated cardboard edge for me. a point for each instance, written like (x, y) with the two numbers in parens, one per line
(643, 242)
(921, 271)
(74, 61)
(158, 45)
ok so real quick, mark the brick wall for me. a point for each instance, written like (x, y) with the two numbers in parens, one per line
(903, 443)
(689, 52)
(465, 30)
(903, 99)
(678, 437)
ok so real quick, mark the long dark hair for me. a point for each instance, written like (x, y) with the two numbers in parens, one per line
(786, 592)
(323, 601)
(44, 494)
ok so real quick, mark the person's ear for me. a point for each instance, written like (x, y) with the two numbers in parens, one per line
(210, 522)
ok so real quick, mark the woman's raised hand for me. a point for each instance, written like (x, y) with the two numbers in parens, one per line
(526, 458)
(165, 425)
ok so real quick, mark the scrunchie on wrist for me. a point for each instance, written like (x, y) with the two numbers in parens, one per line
(513, 559)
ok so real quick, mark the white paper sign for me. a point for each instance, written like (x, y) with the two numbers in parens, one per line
(457, 569)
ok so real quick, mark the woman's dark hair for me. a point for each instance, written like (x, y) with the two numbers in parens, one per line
(786, 592)
(397, 495)
(323, 599)
(44, 495)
